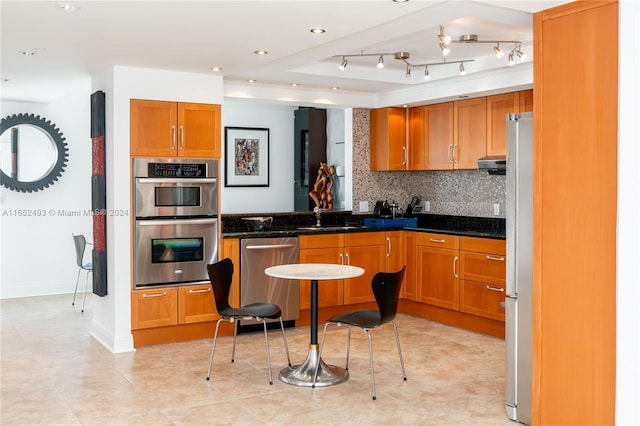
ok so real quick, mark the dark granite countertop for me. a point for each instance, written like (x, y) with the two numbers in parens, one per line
(290, 224)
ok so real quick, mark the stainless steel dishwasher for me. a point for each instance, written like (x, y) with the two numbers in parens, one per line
(255, 286)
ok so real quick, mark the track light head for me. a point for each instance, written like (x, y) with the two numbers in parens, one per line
(498, 51)
(520, 53)
(380, 62)
(462, 70)
(445, 49)
(426, 73)
(408, 74)
(444, 39)
(511, 61)
(343, 65)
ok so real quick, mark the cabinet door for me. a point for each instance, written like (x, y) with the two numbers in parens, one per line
(153, 130)
(438, 277)
(196, 304)
(439, 131)
(409, 290)
(231, 249)
(483, 267)
(394, 251)
(498, 107)
(330, 292)
(154, 308)
(198, 130)
(417, 144)
(469, 132)
(388, 135)
(372, 260)
(526, 101)
(482, 299)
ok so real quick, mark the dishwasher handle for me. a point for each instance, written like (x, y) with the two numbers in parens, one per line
(270, 247)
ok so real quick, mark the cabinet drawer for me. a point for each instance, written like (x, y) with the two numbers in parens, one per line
(154, 308)
(482, 299)
(439, 240)
(483, 245)
(321, 241)
(483, 267)
(196, 304)
(364, 239)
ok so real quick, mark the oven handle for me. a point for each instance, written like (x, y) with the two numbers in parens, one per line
(153, 222)
(270, 247)
(176, 180)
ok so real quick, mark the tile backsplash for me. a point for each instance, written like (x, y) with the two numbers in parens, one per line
(450, 192)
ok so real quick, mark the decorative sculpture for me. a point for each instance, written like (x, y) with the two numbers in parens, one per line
(321, 193)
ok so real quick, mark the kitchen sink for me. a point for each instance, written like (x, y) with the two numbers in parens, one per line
(330, 228)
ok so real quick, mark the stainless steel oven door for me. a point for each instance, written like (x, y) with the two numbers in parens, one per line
(174, 251)
(157, 197)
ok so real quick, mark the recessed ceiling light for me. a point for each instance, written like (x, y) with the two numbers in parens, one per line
(260, 52)
(400, 1)
(335, 88)
(294, 84)
(27, 52)
(67, 7)
(216, 68)
(317, 30)
(252, 80)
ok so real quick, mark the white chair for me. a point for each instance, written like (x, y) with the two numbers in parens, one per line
(81, 244)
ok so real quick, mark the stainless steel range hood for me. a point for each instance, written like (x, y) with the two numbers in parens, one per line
(495, 165)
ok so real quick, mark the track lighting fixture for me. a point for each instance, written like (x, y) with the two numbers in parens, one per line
(380, 62)
(473, 39)
(343, 65)
(498, 51)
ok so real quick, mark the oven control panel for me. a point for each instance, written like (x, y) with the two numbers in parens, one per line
(172, 170)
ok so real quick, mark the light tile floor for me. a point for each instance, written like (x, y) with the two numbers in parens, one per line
(54, 373)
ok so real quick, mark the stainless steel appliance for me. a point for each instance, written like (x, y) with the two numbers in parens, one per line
(518, 302)
(257, 254)
(176, 220)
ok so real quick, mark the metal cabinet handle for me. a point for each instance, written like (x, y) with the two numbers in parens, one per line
(404, 156)
(455, 153)
(206, 290)
(433, 240)
(388, 247)
(148, 296)
(341, 259)
(181, 137)
(173, 137)
(455, 273)
(449, 153)
(499, 259)
(348, 259)
(498, 289)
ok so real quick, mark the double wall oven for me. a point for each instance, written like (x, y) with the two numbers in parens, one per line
(176, 220)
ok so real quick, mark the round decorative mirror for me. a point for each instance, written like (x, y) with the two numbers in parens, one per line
(34, 153)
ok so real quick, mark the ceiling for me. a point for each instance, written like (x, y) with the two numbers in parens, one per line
(194, 36)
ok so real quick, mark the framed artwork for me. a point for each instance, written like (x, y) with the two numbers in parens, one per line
(247, 156)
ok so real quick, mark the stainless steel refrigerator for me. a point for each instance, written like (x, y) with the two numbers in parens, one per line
(518, 303)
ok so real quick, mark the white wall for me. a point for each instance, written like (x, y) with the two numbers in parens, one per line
(628, 250)
(37, 252)
(278, 196)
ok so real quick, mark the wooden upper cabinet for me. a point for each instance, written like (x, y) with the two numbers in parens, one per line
(417, 144)
(526, 101)
(388, 136)
(439, 132)
(498, 107)
(469, 132)
(174, 129)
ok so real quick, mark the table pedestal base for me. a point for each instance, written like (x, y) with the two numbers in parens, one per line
(302, 375)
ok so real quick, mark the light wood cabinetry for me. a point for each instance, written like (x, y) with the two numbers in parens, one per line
(410, 289)
(417, 146)
(574, 244)
(469, 132)
(364, 249)
(439, 136)
(388, 136)
(498, 107)
(196, 304)
(525, 100)
(438, 268)
(482, 277)
(154, 308)
(174, 129)
(231, 249)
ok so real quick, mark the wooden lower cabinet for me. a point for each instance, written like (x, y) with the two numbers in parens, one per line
(437, 262)
(409, 290)
(330, 292)
(154, 308)
(196, 304)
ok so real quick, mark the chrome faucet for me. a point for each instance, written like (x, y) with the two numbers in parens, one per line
(317, 210)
